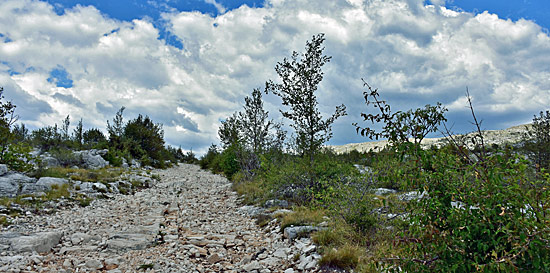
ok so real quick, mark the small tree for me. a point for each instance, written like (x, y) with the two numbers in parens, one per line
(65, 128)
(20, 133)
(78, 134)
(7, 119)
(537, 144)
(93, 137)
(230, 131)
(398, 127)
(116, 130)
(255, 124)
(300, 77)
(145, 139)
(248, 134)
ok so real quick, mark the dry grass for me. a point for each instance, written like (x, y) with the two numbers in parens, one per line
(345, 257)
(302, 216)
(251, 192)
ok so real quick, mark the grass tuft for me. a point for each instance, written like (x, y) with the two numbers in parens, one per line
(345, 257)
(302, 216)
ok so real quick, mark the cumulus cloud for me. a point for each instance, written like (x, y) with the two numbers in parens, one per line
(413, 52)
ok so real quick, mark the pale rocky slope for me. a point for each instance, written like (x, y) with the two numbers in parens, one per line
(511, 135)
(189, 221)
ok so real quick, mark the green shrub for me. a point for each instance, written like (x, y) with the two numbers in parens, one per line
(18, 158)
(228, 162)
(207, 161)
(115, 157)
(500, 223)
(537, 141)
(292, 177)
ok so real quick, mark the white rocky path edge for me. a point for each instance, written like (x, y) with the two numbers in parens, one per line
(189, 221)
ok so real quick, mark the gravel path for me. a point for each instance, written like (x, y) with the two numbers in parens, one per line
(189, 221)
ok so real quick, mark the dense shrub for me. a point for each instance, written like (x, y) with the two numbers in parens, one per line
(479, 217)
(143, 137)
(94, 138)
(291, 177)
(229, 162)
(208, 160)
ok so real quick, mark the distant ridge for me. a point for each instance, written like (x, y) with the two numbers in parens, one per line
(511, 135)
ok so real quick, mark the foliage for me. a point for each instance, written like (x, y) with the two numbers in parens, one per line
(483, 212)
(78, 134)
(115, 157)
(65, 128)
(20, 133)
(230, 130)
(400, 126)
(208, 160)
(94, 138)
(537, 142)
(116, 129)
(189, 158)
(143, 137)
(256, 127)
(250, 133)
(66, 157)
(229, 163)
(7, 119)
(46, 138)
(18, 157)
(290, 177)
(299, 81)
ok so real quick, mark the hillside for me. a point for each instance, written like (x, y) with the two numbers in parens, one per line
(510, 135)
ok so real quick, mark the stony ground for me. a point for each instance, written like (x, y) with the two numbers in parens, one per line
(189, 221)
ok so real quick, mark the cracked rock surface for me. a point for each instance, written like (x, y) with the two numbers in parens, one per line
(189, 221)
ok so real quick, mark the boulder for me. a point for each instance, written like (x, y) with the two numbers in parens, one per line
(130, 241)
(276, 203)
(40, 242)
(12, 183)
(293, 232)
(3, 169)
(251, 211)
(90, 187)
(92, 159)
(135, 164)
(49, 161)
(125, 164)
(48, 182)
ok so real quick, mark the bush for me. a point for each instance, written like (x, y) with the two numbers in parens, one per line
(18, 157)
(143, 137)
(94, 138)
(293, 177)
(115, 157)
(229, 162)
(497, 224)
(208, 160)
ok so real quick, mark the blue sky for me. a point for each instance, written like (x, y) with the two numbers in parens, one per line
(189, 63)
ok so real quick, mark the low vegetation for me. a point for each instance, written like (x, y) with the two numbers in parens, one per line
(460, 207)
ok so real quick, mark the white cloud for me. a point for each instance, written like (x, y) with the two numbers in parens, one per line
(414, 54)
(219, 7)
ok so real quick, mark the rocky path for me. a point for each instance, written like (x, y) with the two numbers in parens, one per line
(189, 221)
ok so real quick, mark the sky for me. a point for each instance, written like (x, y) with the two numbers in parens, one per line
(188, 64)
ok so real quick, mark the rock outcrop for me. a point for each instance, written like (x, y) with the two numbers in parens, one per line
(13, 184)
